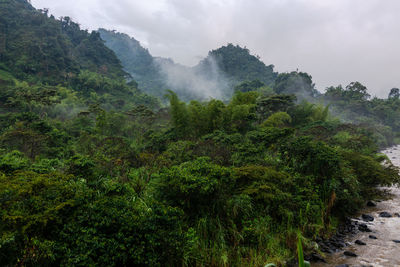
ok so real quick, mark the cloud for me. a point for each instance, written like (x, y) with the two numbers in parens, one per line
(336, 41)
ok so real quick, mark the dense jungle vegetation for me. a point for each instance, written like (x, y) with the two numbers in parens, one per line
(94, 172)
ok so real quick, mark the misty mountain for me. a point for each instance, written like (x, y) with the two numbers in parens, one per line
(215, 76)
(44, 51)
(34, 45)
(137, 61)
(156, 75)
(238, 64)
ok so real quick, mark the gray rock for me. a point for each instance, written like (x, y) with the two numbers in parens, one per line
(314, 257)
(359, 242)
(396, 241)
(372, 237)
(367, 217)
(370, 203)
(350, 254)
(342, 265)
(364, 228)
(385, 214)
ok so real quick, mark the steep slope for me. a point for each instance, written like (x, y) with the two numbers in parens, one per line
(35, 46)
(215, 76)
(238, 65)
(136, 60)
(38, 51)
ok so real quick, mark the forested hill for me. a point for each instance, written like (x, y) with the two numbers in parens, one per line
(137, 61)
(41, 57)
(220, 71)
(134, 57)
(239, 65)
(38, 47)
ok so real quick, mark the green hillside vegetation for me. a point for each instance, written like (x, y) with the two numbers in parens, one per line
(93, 172)
(37, 47)
(137, 61)
(354, 104)
(38, 51)
(204, 183)
(227, 66)
(238, 65)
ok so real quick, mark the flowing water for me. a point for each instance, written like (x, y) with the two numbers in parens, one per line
(382, 251)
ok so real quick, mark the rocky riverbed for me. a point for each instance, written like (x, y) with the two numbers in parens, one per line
(370, 239)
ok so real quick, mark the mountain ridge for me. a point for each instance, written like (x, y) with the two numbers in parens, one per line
(221, 70)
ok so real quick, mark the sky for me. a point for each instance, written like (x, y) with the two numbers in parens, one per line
(335, 41)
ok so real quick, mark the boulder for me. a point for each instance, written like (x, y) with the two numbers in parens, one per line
(315, 257)
(359, 242)
(370, 203)
(364, 228)
(350, 254)
(385, 214)
(367, 217)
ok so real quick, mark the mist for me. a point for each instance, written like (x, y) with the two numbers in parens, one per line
(336, 41)
(194, 82)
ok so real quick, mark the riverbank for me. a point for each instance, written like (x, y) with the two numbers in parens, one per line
(376, 235)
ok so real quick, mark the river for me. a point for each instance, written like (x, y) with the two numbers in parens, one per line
(382, 251)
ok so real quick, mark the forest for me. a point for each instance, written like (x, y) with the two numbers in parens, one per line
(97, 171)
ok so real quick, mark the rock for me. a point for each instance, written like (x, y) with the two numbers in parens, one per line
(315, 257)
(370, 203)
(359, 242)
(385, 214)
(350, 254)
(364, 228)
(396, 241)
(397, 214)
(338, 244)
(343, 265)
(372, 237)
(367, 217)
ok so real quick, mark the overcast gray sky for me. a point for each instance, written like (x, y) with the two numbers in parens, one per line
(336, 41)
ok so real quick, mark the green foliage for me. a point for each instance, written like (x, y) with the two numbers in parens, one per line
(237, 63)
(180, 118)
(13, 161)
(306, 113)
(192, 185)
(353, 104)
(248, 86)
(297, 83)
(277, 119)
(94, 172)
(54, 219)
(54, 50)
(302, 262)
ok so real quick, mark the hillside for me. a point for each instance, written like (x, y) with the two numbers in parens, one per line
(215, 76)
(40, 50)
(136, 60)
(238, 65)
(36, 46)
